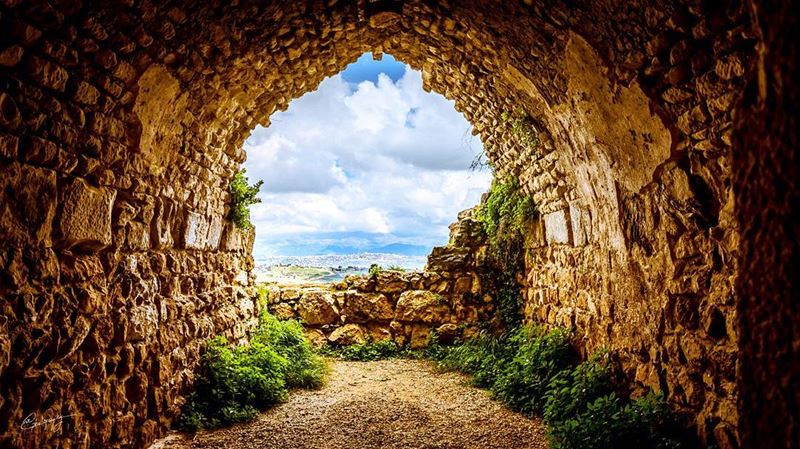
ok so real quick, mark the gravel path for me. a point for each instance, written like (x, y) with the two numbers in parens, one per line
(388, 404)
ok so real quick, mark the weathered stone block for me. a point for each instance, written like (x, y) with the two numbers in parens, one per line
(349, 334)
(214, 232)
(447, 332)
(421, 306)
(462, 285)
(9, 113)
(27, 204)
(579, 223)
(364, 307)
(86, 216)
(85, 93)
(47, 73)
(283, 311)
(40, 151)
(195, 231)
(235, 239)
(556, 227)
(316, 337)
(11, 56)
(9, 146)
(420, 336)
(316, 308)
(446, 258)
(163, 222)
(390, 282)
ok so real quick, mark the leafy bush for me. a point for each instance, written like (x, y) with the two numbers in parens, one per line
(539, 357)
(243, 195)
(609, 422)
(233, 384)
(572, 390)
(533, 371)
(304, 369)
(370, 351)
(483, 357)
(375, 270)
(516, 367)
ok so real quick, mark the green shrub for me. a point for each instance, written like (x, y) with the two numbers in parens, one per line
(233, 384)
(483, 357)
(375, 270)
(539, 357)
(386, 349)
(304, 369)
(610, 422)
(571, 391)
(370, 351)
(243, 195)
(533, 371)
(435, 351)
(517, 367)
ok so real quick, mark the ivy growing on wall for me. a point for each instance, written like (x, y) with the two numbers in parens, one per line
(522, 126)
(505, 212)
(243, 195)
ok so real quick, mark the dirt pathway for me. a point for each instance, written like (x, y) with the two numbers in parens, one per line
(389, 404)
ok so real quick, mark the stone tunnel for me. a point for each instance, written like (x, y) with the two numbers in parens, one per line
(665, 181)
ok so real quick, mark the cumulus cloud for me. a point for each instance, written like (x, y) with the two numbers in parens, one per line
(371, 159)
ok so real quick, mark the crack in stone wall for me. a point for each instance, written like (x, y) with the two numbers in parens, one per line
(122, 122)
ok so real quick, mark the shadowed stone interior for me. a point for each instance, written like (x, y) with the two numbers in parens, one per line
(121, 123)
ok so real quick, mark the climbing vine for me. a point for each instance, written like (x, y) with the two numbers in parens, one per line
(506, 210)
(505, 213)
(243, 195)
(522, 126)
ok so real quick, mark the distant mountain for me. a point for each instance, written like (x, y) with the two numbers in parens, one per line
(338, 249)
(404, 249)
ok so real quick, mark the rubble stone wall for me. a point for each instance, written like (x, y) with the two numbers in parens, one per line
(446, 299)
(639, 252)
(122, 122)
(766, 171)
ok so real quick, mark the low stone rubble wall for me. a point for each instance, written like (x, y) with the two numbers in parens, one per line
(447, 298)
(407, 307)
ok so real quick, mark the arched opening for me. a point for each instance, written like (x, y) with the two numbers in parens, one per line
(367, 169)
(122, 123)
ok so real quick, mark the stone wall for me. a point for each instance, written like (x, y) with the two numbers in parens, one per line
(121, 123)
(639, 253)
(446, 298)
(766, 168)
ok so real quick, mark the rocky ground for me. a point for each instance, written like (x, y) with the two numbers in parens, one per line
(388, 404)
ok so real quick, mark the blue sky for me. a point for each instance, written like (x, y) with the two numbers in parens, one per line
(367, 69)
(369, 161)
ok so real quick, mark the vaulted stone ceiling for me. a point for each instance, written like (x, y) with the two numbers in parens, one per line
(121, 123)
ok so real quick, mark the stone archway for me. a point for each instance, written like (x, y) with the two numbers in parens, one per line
(121, 123)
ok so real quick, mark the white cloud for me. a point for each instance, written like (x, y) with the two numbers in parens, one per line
(384, 159)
